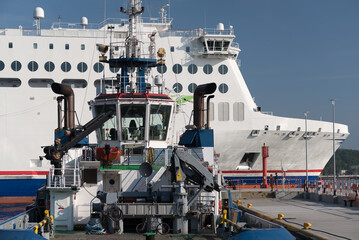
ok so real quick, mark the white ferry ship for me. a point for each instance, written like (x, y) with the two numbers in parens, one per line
(32, 59)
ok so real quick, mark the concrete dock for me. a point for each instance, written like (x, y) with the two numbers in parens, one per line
(332, 221)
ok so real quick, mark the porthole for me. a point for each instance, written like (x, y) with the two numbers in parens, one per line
(75, 83)
(207, 69)
(33, 66)
(161, 68)
(177, 87)
(192, 87)
(98, 67)
(223, 88)
(10, 82)
(2, 65)
(192, 68)
(16, 66)
(66, 66)
(114, 69)
(49, 66)
(40, 82)
(82, 67)
(223, 69)
(130, 70)
(177, 69)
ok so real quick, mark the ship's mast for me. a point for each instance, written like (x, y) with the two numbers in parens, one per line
(134, 11)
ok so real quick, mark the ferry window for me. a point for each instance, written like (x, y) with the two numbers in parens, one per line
(188, 49)
(192, 87)
(177, 68)
(82, 67)
(66, 66)
(16, 66)
(218, 46)
(223, 88)
(40, 82)
(106, 83)
(51, 46)
(211, 111)
(161, 68)
(35, 45)
(192, 68)
(298, 129)
(11, 45)
(278, 128)
(114, 69)
(210, 45)
(10, 82)
(238, 111)
(98, 67)
(2, 65)
(133, 121)
(67, 46)
(33, 66)
(82, 46)
(108, 131)
(172, 48)
(207, 69)
(177, 87)
(49, 66)
(159, 119)
(223, 69)
(223, 111)
(225, 45)
(75, 83)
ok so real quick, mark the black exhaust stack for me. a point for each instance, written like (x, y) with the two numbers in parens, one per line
(198, 103)
(69, 97)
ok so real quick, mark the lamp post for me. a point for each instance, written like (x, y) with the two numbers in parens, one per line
(306, 151)
(334, 170)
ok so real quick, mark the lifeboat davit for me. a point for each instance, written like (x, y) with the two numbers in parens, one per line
(108, 155)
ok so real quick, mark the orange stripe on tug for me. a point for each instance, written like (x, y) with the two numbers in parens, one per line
(108, 155)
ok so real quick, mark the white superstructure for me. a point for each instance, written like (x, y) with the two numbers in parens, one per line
(68, 53)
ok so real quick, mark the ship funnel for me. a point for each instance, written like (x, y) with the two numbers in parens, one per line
(198, 103)
(69, 103)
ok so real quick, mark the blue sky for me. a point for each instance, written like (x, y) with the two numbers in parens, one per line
(296, 55)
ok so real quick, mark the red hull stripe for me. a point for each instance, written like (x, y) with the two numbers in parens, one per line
(24, 172)
(275, 171)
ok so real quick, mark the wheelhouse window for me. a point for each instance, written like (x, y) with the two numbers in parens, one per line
(133, 121)
(159, 120)
(108, 131)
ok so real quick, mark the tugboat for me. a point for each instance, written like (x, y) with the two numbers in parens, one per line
(134, 178)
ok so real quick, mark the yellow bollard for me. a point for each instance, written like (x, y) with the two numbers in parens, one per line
(52, 218)
(249, 205)
(47, 214)
(36, 230)
(239, 202)
(9, 225)
(280, 216)
(224, 215)
(307, 225)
